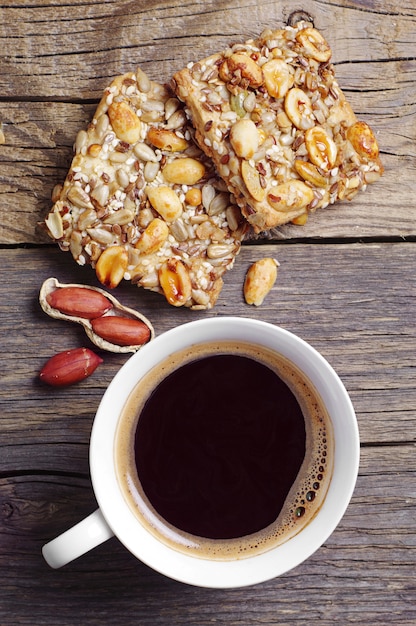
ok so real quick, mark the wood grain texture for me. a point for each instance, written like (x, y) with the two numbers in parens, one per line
(360, 320)
(345, 284)
(84, 47)
(55, 64)
(346, 300)
(362, 575)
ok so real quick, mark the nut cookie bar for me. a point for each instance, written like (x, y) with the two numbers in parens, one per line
(271, 115)
(142, 202)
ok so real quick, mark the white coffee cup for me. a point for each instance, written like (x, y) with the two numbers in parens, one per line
(115, 517)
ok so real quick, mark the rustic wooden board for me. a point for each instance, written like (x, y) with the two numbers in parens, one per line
(364, 573)
(56, 63)
(347, 301)
(346, 284)
(77, 51)
(39, 150)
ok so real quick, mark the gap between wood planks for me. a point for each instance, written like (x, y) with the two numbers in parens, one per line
(263, 241)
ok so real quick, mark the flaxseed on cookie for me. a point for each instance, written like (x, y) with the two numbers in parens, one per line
(271, 115)
(142, 202)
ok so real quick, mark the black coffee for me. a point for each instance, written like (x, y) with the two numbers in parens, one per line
(218, 446)
(224, 450)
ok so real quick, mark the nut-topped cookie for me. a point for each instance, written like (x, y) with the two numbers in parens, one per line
(271, 115)
(142, 202)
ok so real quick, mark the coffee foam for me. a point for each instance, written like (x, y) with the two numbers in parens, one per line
(306, 495)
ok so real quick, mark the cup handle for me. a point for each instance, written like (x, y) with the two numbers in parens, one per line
(87, 534)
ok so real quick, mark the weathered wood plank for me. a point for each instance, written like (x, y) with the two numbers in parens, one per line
(38, 151)
(76, 53)
(98, 40)
(346, 300)
(35, 157)
(354, 303)
(364, 573)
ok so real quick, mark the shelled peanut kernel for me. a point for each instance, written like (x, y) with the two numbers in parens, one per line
(69, 367)
(259, 280)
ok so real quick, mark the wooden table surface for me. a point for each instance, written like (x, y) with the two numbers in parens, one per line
(346, 284)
